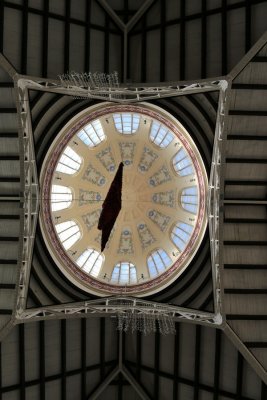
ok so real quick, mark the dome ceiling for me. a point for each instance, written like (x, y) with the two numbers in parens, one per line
(160, 218)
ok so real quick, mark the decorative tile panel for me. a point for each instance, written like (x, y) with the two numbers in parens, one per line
(106, 158)
(88, 197)
(127, 150)
(147, 158)
(91, 219)
(165, 198)
(97, 239)
(126, 242)
(159, 219)
(160, 177)
(145, 236)
(94, 176)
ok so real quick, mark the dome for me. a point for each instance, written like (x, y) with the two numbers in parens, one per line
(123, 199)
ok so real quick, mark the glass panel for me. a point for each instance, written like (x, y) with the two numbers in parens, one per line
(158, 262)
(69, 162)
(68, 233)
(90, 261)
(160, 135)
(61, 197)
(189, 199)
(92, 134)
(126, 123)
(182, 163)
(181, 235)
(124, 273)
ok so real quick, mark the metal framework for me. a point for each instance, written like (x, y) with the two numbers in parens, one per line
(117, 305)
(214, 198)
(30, 197)
(77, 88)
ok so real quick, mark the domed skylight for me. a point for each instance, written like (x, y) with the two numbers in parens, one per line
(160, 201)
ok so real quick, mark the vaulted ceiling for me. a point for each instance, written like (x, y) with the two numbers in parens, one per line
(152, 41)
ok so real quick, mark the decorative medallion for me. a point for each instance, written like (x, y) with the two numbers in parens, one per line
(91, 219)
(165, 198)
(88, 197)
(159, 219)
(147, 159)
(126, 242)
(145, 236)
(161, 176)
(127, 150)
(106, 158)
(94, 176)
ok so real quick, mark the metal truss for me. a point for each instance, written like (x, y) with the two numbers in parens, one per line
(214, 198)
(121, 94)
(30, 196)
(112, 306)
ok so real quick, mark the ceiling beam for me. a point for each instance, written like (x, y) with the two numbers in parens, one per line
(22, 362)
(156, 365)
(176, 354)
(104, 384)
(197, 361)
(63, 337)
(244, 350)
(139, 13)
(42, 359)
(217, 363)
(83, 357)
(136, 386)
(113, 15)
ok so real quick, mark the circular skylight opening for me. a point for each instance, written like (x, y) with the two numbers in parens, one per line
(123, 199)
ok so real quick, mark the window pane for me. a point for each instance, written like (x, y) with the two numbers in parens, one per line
(124, 273)
(68, 233)
(158, 262)
(189, 199)
(92, 134)
(69, 162)
(182, 163)
(90, 261)
(61, 197)
(160, 135)
(126, 123)
(181, 235)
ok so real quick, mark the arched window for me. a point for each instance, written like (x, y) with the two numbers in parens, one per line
(126, 123)
(160, 135)
(189, 199)
(124, 273)
(91, 262)
(68, 233)
(61, 197)
(92, 134)
(158, 262)
(69, 162)
(181, 234)
(182, 163)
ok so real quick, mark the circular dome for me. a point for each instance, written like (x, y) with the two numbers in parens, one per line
(123, 199)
